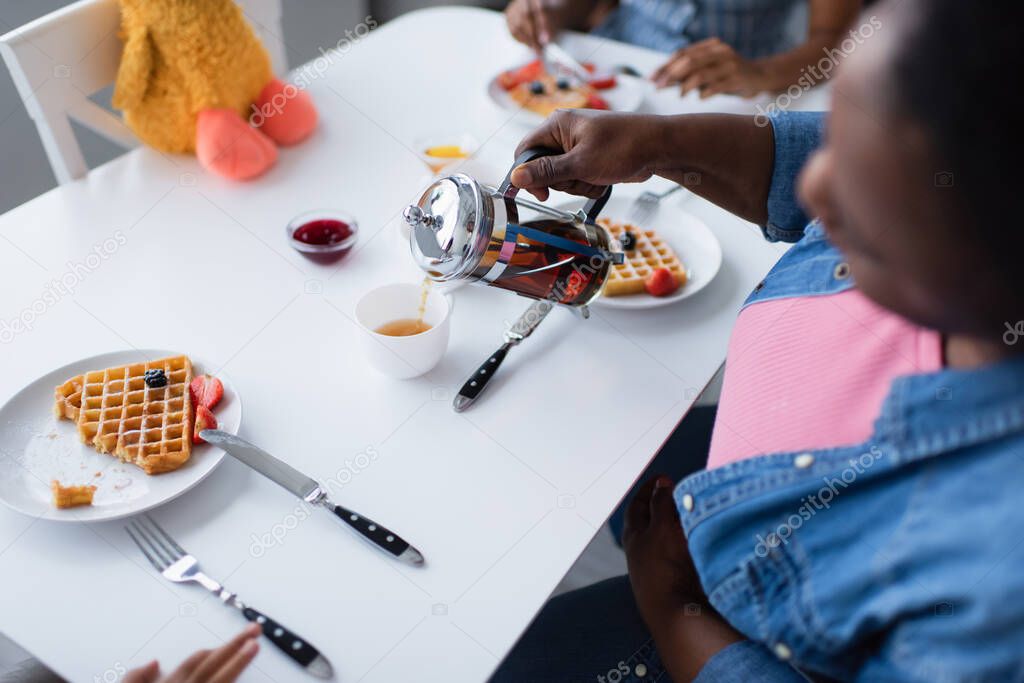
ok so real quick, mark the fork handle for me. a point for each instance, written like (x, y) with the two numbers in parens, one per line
(287, 641)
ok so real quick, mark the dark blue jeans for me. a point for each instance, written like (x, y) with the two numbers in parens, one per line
(591, 635)
(685, 452)
(595, 634)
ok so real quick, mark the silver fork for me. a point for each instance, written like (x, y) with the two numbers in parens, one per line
(171, 560)
(644, 206)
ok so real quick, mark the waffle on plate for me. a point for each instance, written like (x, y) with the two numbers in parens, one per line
(532, 88)
(543, 96)
(649, 253)
(142, 419)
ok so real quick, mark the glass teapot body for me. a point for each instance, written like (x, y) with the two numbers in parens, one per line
(464, 230)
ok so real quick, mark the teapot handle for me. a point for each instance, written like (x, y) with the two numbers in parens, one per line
(590, 210)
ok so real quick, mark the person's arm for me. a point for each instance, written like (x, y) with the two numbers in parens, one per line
(712, 67)
(828, 24)
(725, 158)
(748, 165)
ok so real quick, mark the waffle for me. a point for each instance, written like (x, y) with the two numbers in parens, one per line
(117, 413)
(574, 97)
(71, 496)
(68, 399)
(651, 252)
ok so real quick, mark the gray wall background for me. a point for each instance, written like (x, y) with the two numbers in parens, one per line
(24, 170)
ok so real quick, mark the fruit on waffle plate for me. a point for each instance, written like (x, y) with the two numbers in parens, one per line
(531, 88)
(675, 255)
(651, 265)
(545, 94)
(141, 413)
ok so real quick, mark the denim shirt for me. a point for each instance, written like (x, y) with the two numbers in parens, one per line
(754, 28)
(897, 559)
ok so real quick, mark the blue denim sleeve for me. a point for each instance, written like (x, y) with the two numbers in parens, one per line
(797, 135)
(747, 661)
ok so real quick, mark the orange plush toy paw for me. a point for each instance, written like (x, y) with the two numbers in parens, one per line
(230, 147)
(284, 113)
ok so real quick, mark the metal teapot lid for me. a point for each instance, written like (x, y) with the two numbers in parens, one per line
(451, 225)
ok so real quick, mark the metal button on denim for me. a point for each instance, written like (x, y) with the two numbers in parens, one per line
(782, 651)
(842, 271)
(640, 670)
(688, 502)
(804, 460)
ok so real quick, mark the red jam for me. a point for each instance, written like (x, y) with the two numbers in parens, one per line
(323, 232)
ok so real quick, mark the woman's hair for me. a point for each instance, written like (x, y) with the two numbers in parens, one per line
(957, 73)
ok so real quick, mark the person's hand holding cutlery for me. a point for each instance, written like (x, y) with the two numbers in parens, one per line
(537, 22)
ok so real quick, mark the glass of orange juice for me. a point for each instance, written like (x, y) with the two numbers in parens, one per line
(441, 153)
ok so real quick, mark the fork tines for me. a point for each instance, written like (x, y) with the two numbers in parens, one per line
(156, 544)
(642, 208)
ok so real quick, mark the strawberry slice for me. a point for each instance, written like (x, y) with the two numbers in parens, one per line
(602, 82)
(204, 420)
(524, 74)
(661, 282)
(595, 101)
(206, 391)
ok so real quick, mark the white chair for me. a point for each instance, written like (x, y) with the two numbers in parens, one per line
(59, 60)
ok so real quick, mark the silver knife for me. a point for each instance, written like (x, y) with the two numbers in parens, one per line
(520, 330)
(309, 490)
(555, 53)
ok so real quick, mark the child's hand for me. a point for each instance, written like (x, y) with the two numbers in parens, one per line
(223, 665)
(660, 569)
(537, 22)
(711, 67)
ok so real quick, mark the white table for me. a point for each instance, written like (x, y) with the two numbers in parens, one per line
(501, 499)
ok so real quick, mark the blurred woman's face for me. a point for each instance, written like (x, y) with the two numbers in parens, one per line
(887, 206)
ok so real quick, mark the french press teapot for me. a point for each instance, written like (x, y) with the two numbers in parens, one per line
(464, 230)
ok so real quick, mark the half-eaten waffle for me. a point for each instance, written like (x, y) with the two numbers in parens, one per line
(143, 419)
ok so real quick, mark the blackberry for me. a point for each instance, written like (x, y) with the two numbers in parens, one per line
(155, 378)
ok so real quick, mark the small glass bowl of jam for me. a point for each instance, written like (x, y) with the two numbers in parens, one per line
(323, 236)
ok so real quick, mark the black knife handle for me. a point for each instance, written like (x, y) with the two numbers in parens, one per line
(287, 641)
(477, 382)
(380, 536)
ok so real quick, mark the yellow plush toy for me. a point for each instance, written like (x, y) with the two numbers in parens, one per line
(191, 71)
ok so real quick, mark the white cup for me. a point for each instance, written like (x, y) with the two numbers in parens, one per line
(403, 357)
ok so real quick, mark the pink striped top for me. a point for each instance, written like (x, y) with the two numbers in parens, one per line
(807, 373)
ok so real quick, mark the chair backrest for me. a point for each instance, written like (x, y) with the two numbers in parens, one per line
(59, 60)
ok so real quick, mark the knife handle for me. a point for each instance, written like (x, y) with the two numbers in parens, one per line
(287, 641)
(380, 536)
(477, 382)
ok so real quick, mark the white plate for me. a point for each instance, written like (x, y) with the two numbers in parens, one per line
(36, 447)
(696, 246)
(627, 95)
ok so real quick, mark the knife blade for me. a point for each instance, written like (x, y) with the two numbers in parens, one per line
(520, 330)
(553, 52)
(309, 490)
